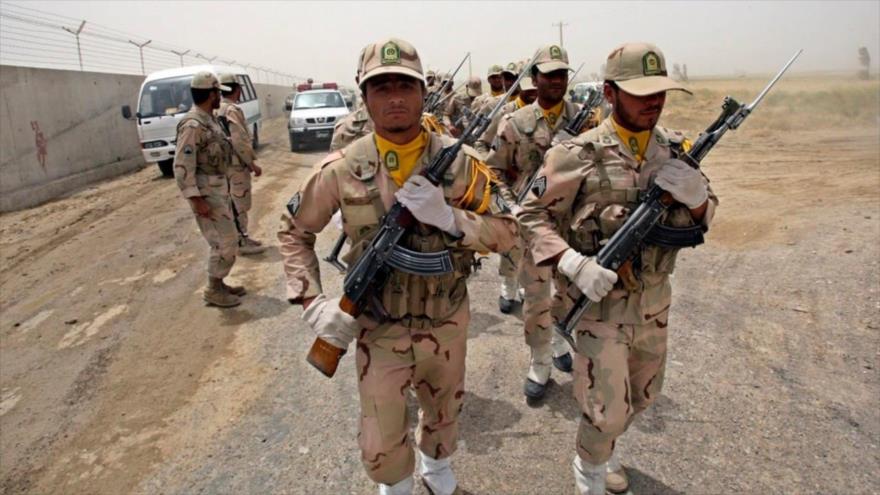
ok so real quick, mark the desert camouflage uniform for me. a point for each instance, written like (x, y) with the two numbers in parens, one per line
(240, 170)
(584, 192)
(517, 151)
(201, 162)
(455, 110)
(356, 124)
(422, 345)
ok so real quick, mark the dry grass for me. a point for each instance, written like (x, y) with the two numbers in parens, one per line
(795, 103)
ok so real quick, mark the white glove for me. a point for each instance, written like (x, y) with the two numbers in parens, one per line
(427, 204)
(336, 219)
(591, 279)
(330, 323)
(685, 183)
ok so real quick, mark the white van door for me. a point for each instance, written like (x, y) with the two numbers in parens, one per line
(250, 106)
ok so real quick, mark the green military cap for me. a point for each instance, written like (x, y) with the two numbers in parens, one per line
(495, 70)
(551, 58)
(207, 80)
(512, 68)
(640, 70)
(391, 56)
(474, 87)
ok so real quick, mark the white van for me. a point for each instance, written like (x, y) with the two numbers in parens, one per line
(164, 99)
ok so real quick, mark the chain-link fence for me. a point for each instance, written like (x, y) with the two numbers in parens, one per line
(33, 38)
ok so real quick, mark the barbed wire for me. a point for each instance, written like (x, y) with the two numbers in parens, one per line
(34, 38)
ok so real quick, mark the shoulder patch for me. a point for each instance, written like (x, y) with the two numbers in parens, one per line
(188, 149)
(539, 187)
(294, 203)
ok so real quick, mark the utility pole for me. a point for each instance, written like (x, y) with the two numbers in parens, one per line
(141, 48)
(78, 49)
(180, 54)
(561, 25)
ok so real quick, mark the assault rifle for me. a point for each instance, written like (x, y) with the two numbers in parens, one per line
(370, 272)
(431, 99)
(638, 228)
(568, 132)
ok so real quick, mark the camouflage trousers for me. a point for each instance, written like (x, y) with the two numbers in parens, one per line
(240, 190)
(393, 358)
(536, 282)
(618, 373)
(219, 230)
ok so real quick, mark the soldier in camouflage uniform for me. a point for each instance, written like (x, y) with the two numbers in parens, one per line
(584, 192)
(454, 113)
(244, 163)
(421, 342)
(496, 87)
(517, 152)
(356, 123)
(201, 161)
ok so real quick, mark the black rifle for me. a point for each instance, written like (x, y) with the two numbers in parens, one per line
(370, 272)
(636, 231)
(333, 257)
(432, 97)
(224, 124)
(568, 132)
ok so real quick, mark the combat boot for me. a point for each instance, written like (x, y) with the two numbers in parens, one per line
(561, 355)
(539, 373)
(615, 476)
(437, 476)
(589, 479)
(217, 295)
(235, 290)
(247, 246)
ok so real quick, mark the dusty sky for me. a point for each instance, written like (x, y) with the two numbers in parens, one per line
(322, 39)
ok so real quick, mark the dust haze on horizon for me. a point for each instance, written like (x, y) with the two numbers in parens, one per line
(322, 39)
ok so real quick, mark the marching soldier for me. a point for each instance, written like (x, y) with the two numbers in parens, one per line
(527, 94)
(431, 83)
(459, 104)
(244, 162)
(583, 194)
(496, 87)
(414, 335)
(517, 152)
(201, 162)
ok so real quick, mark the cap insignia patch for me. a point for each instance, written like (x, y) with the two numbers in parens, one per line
(651, 65)
(555, 52)
(390, 53)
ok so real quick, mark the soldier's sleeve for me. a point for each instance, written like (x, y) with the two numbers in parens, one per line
(241, 138)
(307, 213)
(484, 142)
(500, 156)
(338, 141)
(185, 159)
(490, 229)
(550, 200)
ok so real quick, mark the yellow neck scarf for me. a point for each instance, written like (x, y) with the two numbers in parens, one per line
(497, 93)
(636, 142)
(401, 159)
(520, 103)
(552, 114)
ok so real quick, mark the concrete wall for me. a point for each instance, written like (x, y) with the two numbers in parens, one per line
(61, 130)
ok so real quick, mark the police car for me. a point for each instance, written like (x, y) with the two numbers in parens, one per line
(316, 109)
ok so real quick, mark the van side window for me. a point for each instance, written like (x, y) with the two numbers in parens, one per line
(246, 94)
(251, 84)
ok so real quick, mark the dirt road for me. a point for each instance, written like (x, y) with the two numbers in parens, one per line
(117, 379)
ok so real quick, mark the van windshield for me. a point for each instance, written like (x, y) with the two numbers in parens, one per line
(166, 97)
(318, 100)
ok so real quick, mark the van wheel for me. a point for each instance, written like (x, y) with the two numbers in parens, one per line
(256, 140)
(167, 168)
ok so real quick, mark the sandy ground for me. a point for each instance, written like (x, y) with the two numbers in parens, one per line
(116, 378)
